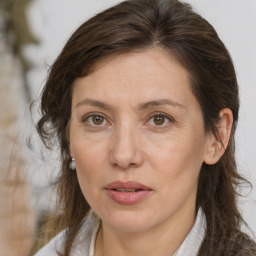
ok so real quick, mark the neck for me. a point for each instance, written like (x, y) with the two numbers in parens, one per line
(162, 240)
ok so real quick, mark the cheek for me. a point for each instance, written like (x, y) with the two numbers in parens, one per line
(178, 165)
(176, 150)
(90, 159)
(178, 161)
(88, 167)
(86, 149)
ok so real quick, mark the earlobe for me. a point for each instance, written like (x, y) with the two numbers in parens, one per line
(217, 143)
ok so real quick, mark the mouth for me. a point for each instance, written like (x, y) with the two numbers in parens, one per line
(130, 186)
(127, 190)
(127, 193)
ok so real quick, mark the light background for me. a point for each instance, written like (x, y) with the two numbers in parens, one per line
(53, 21)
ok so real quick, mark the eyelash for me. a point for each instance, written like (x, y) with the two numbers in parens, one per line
(91, 115)
(167, 118)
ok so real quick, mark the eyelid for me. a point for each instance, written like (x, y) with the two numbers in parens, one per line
(170, 118)
(91, 114)
(151, 115)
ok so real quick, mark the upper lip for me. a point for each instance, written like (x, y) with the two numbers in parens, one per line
(127, 185)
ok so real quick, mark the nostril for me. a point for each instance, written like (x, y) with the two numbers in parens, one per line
(125, 154)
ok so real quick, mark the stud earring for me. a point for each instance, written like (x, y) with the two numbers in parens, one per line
(72, 164)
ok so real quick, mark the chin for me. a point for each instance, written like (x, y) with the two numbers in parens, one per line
(128, 221)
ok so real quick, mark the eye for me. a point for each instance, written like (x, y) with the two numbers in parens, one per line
(159, 120)
(95, 120)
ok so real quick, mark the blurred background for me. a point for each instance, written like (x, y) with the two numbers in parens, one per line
(32, 34)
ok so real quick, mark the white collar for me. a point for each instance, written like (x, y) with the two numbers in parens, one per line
(193, 241)
(93, 240)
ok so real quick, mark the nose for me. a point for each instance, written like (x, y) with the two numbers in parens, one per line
(125, 151)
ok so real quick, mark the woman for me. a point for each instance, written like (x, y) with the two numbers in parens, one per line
(144, 102)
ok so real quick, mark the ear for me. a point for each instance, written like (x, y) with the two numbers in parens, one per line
(71, 151)
(67, 134)
(217, 143)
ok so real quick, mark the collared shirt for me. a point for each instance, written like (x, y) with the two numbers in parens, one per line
(84, 244)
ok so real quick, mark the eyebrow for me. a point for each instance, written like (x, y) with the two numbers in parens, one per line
(161, 102)
(94, 103)
(142, 106)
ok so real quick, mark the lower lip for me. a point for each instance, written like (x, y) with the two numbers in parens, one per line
(128, 198)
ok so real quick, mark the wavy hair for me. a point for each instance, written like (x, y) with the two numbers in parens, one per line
(136, 25)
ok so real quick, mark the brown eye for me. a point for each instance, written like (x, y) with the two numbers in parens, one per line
(159, 120)
(97, 120)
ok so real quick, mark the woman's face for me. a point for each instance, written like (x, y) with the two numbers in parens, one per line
(138, 139)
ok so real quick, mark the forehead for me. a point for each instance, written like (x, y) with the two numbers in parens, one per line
(149, 73)
(151, 62)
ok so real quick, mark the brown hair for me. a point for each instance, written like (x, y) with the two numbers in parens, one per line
(137, 25)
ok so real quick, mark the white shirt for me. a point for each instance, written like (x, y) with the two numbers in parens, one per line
(84, 244)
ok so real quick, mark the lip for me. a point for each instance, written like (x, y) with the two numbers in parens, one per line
(114, 191)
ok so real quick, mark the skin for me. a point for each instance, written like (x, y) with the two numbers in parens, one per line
(126, 137)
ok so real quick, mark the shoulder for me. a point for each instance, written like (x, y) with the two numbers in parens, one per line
(54, 247)
(244, 245)
(81, 244)
(239, 244)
